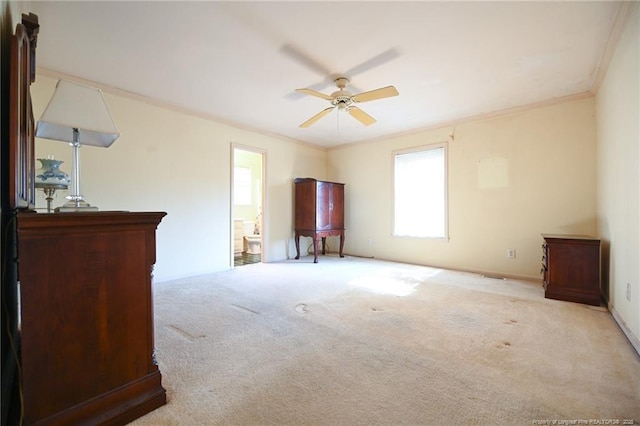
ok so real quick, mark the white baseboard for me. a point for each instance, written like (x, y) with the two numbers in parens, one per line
(625, 329)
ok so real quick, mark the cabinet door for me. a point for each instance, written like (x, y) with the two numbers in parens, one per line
(336, 206)
(330, 213)
(324, 213)
(573, 272)
(305, 203)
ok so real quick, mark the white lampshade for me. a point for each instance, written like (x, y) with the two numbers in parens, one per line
(77, 114)
(76, 106)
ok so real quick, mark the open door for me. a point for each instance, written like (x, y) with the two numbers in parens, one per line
(247, 207)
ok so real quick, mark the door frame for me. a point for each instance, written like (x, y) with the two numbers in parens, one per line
(263, 201)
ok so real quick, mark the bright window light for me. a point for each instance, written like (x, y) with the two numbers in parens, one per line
(420, 188)
(242, 185)
(395, 281)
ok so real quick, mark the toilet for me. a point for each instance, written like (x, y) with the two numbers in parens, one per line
(252, 244)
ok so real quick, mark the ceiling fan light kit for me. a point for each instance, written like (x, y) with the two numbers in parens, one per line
(344, 100)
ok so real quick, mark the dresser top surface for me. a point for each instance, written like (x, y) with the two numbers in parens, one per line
(34, 221)
(568, 237)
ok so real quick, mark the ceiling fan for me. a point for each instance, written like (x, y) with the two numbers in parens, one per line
(343, 99)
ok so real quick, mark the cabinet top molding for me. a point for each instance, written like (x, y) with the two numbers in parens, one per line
(104, 219)
(302, 180)
(568, 237)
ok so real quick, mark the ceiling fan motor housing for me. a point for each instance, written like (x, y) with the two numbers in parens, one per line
(341, 99)
(341, 82)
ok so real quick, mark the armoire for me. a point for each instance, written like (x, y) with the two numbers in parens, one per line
(319, 213)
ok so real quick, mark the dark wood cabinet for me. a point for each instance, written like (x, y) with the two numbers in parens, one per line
(17, 183)
(87, 317)
(571, 268)
(319, 213)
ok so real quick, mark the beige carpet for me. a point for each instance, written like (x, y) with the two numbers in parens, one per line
(364, 342)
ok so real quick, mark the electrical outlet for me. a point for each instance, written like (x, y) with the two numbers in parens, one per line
(629, 292)
(370, 241)
(511, 253)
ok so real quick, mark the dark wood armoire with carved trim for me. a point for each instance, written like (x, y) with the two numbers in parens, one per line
(319, 213)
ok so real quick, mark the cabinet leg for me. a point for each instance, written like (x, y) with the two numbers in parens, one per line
(324, 245)
(297, 240)
(341, 244)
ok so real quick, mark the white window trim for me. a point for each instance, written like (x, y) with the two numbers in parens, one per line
(443, 145)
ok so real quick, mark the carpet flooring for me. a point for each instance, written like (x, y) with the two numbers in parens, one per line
(356, 341)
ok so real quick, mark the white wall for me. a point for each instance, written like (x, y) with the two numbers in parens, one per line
(549, 187)
(169, 161)
(16, 9)
(618, 135)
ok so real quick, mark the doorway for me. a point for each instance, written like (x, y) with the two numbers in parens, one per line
(247, 195)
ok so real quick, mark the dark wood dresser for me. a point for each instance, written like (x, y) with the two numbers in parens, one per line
(571, 268)
(87, 317)
(319, 213)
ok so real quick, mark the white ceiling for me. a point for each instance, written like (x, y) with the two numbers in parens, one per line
(239, 62)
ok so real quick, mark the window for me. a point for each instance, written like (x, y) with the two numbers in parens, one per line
(242, 185)
(420, 188)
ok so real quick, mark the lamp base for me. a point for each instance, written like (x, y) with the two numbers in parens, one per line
(64, 209)
(49, 191)
(75, 204)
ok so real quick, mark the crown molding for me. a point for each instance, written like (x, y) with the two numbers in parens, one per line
(624, 13)
(46, 72)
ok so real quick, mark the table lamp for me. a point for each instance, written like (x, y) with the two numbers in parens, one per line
(77, 114)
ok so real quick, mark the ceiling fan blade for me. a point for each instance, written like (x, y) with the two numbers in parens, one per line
(314, 93)
(372, 95)
(316, 117)
(301, 57)
(376, 61)
(361, 116)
